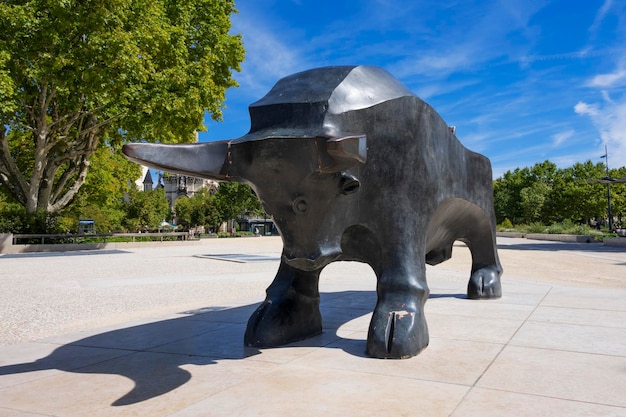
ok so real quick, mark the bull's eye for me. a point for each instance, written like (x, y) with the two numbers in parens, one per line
(300, 205)
(349, 184)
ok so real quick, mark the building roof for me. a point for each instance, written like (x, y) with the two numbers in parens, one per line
(148, 178)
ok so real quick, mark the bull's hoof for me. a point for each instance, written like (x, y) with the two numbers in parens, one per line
(279, 322)
(396, 333)
(485, 283)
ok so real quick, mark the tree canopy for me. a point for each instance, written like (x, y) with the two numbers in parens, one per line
(199, 210)
(544, 193)
(231, 201)
(105, 196)
(75, 75)
(145, 210)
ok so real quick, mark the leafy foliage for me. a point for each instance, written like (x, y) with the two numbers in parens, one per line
(231, 201)
(199, 210)
(75, 75)
(544, 194)
(145, 210)
(234, 199)
(102, 196)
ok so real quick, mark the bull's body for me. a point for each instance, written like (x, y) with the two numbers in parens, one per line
(352, 166)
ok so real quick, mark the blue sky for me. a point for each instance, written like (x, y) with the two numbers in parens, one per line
(523, 81)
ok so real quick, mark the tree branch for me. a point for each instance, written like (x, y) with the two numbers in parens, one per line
(71, 192)
(10, 174)
(79, 163)
(41, 135)
(62, 181)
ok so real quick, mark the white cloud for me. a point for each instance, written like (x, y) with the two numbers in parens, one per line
(585, 109)
(269, 54)
(606, 7)
(608, 80)
(609, 118)
(442, 64)
(585, 53)
(561, 137)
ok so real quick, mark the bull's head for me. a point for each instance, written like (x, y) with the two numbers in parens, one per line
(306, 184)
(296, 157)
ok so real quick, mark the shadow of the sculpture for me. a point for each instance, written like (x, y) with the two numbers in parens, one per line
(562, 246)
(152, 354)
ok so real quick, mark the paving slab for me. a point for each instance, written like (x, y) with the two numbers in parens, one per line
(159, 331)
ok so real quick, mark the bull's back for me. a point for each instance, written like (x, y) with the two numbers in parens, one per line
(411, 150)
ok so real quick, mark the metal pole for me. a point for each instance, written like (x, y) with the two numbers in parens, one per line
(608, 190)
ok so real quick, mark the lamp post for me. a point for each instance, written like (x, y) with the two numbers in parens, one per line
(608, 181)
(608, 188)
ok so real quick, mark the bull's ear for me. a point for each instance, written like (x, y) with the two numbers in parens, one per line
(203, 160)
(345, 152)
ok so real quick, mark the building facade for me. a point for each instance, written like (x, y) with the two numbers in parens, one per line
(177, 186)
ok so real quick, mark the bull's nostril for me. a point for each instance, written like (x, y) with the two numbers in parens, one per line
(300, 205)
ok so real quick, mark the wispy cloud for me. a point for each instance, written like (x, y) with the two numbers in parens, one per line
(615, 78)
(609, 118)
(522, 81)
(475, 37)
(606, 109)
(269, 54)
(583, 54)
(559, 138)
(604, 10)
(591, 110)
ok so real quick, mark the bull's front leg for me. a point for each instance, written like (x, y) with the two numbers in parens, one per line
(398, 327)
(290, 312)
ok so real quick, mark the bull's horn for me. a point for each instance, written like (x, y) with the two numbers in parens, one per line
(203, 160)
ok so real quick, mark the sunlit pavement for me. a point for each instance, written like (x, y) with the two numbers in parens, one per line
(159, 331)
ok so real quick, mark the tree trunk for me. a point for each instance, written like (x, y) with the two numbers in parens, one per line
(62, 148)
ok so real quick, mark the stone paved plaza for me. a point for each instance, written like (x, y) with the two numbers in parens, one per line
(157, 331)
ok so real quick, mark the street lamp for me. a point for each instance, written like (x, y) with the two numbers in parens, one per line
(608, 181)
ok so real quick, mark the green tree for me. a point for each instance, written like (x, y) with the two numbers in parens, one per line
(233, 200)
(618, 196)
(102, 196)
(546, 181)
(507, 194)
(580, 200)
(546, 194)
(183, 208)
(12, 218)
(145, 210)
(198, 210)
(75, 75)
(532, 201)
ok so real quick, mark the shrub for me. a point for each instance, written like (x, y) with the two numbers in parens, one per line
(555, 229)
(536, 227)
(506, 225)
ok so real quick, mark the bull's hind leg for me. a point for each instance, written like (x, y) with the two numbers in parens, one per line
(484, 281)
(290, 312)
(459, 219)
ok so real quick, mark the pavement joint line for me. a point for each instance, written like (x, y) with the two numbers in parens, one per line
(579, 352)
(531, 394)
(507, 343)
(239, 257)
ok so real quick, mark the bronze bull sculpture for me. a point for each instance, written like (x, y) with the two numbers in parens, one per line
(352, 166)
